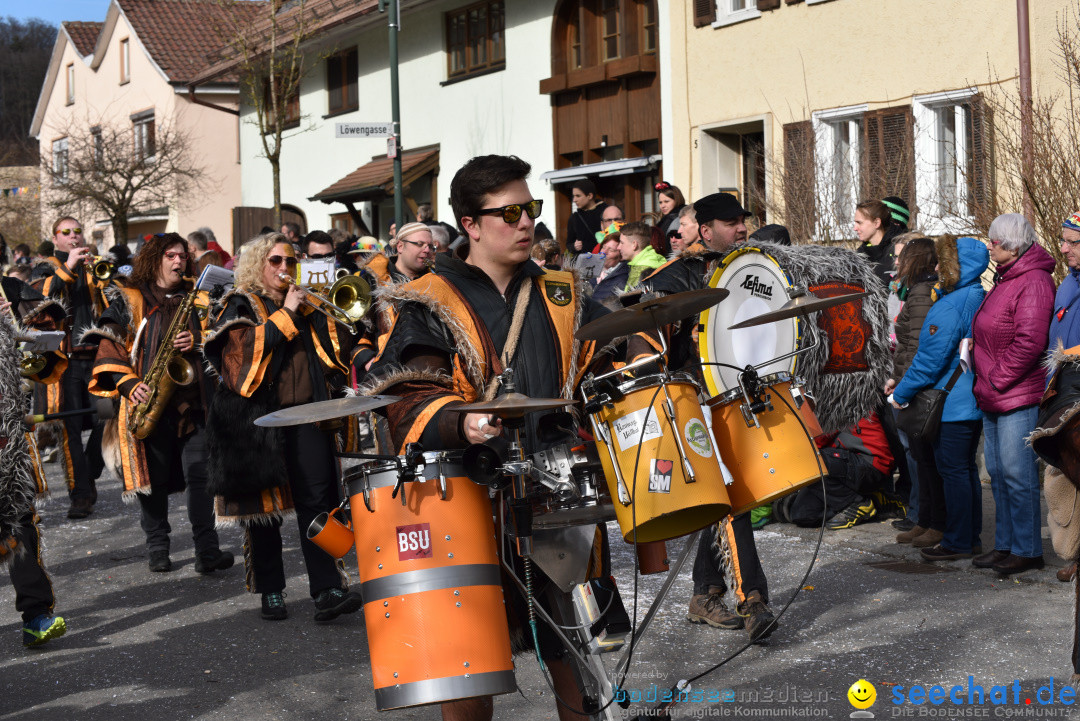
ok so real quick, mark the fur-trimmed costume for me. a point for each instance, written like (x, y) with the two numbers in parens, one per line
(17, 486)
(84, 298)
(382, 273)
(267, 358)
(128, 338)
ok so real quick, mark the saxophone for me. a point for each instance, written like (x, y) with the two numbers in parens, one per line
(169, 370)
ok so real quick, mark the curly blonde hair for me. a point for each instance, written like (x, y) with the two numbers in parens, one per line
(253, 255)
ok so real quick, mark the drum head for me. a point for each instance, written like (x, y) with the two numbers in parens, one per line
(757, 285)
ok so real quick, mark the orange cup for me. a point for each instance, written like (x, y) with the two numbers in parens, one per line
(330, 534)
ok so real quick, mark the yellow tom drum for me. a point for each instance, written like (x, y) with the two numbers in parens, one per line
(774, 460)
(660, 459)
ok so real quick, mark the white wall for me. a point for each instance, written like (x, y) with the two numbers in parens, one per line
(498, 113)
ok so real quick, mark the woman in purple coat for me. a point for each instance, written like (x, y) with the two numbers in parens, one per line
(1010, 334)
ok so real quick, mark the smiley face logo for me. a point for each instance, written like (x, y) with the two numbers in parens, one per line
(862, 694)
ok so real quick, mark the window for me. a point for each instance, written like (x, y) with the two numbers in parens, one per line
(144, 142)
(729, 12)
(125, 61)
(609, 30)
(577, 22)
(69, 75)
(475, 40)
(60, 159)
(648, 27)
(838, 148)
(342, 71)
(291, 108)
(951, 164)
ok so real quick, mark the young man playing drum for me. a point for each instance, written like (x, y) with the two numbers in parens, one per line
(721, 225)
(460, 326)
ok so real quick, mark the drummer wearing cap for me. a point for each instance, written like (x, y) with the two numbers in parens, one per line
(721, 224)
(460, 326)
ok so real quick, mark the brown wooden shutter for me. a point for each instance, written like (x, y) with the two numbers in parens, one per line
(799, 192)
(704, 12)
(151, 138)
(767, 4)
(792, 2)
(889, 156)
(982, 194)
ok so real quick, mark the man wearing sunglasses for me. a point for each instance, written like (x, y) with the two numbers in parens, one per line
(318, 245)
(461, 325)
(70, 281)
(272, 351)
(173, 456)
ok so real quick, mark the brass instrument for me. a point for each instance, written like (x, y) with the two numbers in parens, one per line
(102, 268)
(169, 370)
(31, 363)
(347, 301)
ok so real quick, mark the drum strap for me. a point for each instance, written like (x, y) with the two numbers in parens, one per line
(517, 322)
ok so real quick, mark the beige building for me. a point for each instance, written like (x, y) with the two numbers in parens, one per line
(124, 81)
(805, 107)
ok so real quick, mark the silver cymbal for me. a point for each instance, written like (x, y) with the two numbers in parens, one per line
(511, 405)
(651, 314)
(324, 410)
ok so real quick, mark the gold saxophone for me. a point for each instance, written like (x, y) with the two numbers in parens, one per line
(169, 370)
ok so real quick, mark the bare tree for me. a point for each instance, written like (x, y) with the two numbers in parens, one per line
(25, 48)
(1053, 180)
(120, 170)
(271, 61)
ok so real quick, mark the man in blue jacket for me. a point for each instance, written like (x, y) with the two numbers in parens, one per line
(959, 295)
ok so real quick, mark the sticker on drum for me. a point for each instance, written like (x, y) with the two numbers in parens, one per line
(756, 284)
(660, 476)
(628, 428)
(414, 541)
(697, 438)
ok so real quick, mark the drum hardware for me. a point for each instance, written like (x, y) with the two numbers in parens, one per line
(651, 314)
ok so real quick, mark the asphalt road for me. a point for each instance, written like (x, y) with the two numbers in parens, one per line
(147, 645)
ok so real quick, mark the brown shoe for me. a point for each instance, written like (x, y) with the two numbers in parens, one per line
(1067, 573)
(928, 539)
(1019, 564)
(80, 508)
(987, 560)
(710, 608)
(760, 622)
(909, 536)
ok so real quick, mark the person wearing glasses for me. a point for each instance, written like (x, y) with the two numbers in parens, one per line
(318, 245)
(1009, 337)
(272, 351)
(416, 250)
(461, 325)
(70, 281)
(173, 457)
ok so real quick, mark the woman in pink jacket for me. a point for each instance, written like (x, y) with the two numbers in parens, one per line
(1010, 334)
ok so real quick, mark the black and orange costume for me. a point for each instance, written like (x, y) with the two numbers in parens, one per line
(21, 477)
(446, 348)
(383, 271)
(84, 298)
(268, 357)
(173, 457)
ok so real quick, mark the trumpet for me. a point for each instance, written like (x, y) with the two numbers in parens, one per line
(347, 301)
(102, 268)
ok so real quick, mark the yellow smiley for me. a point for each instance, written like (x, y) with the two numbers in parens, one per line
(862, 694)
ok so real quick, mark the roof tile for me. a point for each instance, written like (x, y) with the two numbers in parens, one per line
(84, 35)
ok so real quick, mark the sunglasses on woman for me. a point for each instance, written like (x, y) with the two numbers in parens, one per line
(276, 260)
(512, 213)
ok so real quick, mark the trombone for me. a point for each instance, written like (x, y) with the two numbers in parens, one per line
(347, 301)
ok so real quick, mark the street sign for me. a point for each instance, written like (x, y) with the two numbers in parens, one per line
(363, 130)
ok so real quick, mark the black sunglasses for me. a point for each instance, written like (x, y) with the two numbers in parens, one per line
(321, 256)
(512, 213)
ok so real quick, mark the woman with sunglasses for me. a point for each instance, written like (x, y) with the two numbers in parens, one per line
(271, 352)
(173, 456)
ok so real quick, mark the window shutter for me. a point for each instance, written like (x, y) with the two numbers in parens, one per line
(334, 82)
(704, 12)
(352, 77)
(763, 5)
(889, 156)
(982, 196)
(151, 139)
(792, 2)
(799, 192)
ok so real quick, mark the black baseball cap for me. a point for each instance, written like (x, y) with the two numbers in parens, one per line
(718, 206)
